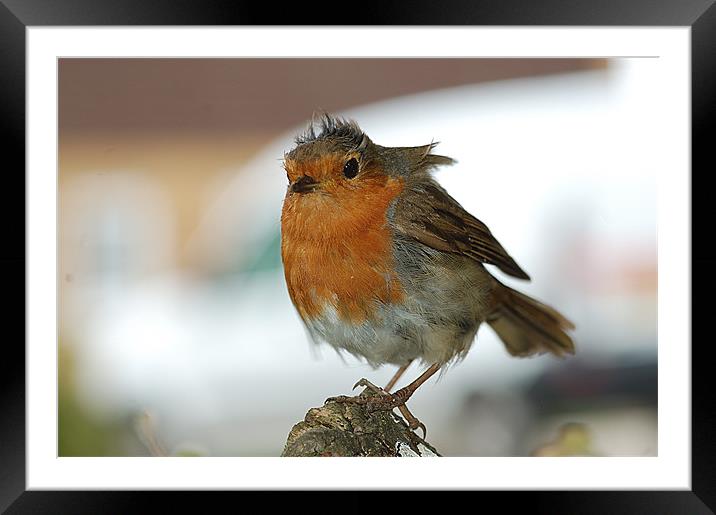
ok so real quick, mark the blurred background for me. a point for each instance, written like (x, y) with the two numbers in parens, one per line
(176, 333)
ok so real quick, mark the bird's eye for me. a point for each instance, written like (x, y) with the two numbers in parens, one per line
(350, 170)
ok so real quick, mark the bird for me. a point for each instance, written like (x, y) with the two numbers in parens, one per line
(381, 262)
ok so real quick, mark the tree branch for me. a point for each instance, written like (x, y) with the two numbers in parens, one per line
(349, 429)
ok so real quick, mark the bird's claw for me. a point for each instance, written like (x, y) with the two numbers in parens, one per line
(421, 426)
(369, 386)
(413, 422)
(371, 401)
(354, 399)
(384, 401)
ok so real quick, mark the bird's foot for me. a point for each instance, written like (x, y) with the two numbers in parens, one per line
(380, 401)
(413, 422)
(370, 386)
(363, 397)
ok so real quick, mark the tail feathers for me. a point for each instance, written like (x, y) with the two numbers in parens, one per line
(528, 327)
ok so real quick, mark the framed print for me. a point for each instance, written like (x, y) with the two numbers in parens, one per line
(186, 172)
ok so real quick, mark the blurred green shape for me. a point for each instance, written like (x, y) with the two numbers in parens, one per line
(79, 433)
(573, 440)
(268, 257)
(188, 453)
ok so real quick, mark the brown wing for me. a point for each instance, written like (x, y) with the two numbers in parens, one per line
(427, 213)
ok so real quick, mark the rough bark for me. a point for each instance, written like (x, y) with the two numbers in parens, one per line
(350, 429)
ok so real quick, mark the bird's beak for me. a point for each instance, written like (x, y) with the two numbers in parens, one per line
(304, 184)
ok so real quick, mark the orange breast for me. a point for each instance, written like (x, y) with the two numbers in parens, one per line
(336, 249)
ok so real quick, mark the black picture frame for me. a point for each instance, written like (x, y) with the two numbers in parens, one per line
(17, 15)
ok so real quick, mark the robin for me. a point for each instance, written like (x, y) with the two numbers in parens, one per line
(380, 261)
